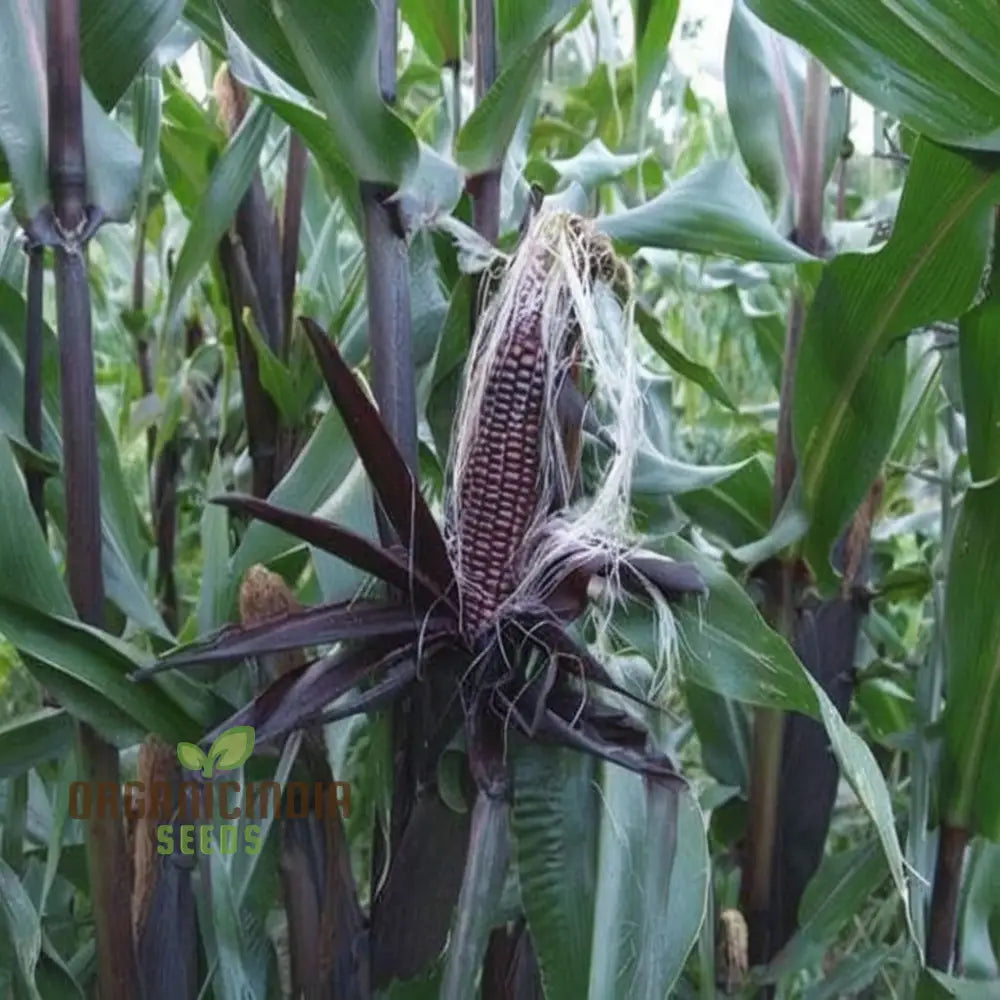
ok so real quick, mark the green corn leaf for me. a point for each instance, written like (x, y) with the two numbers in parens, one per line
(852, 362)
(972, 627)
(931, 63)
(23, 928)
(113, 161)
(217, 206)
(712, 210)
(117, 37)
(338, 58)
(727, 647)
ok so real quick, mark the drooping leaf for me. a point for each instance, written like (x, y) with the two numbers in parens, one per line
(929, 63)
(656, 475)
(727, 647)
(736, 509)
(712, 210)
(258, 27)
(698, 373)
(311, 627)
(294, 108)
(841, 885)
(392, 479)
(338, 541)
(595, 164)
(88, 671)
(852, 361)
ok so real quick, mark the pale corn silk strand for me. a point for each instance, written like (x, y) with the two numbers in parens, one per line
(561, 280)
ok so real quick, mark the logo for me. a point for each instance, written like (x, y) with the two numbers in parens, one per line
(230, 750)
(205, 815)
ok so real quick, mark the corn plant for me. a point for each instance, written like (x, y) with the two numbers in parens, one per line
(450, 407)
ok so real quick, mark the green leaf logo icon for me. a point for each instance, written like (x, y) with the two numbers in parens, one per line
(230, 749)
(190, 756)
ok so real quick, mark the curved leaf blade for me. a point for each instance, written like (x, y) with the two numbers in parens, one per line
(852, 361)
(712, 210)
(931, 63)
(397, 489)
(311, 627)
(727, 647)
(258, 28)
(89, 672)
(338, 541)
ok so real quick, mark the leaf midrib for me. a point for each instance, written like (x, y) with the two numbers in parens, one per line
(815, 468)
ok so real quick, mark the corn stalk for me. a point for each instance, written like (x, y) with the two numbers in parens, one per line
(486, 189)
(782, 598)
(33, 354)
(107, 859)
(250, 262)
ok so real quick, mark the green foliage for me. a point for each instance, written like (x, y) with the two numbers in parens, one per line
(895, 381)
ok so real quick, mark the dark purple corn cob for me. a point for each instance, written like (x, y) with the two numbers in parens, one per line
(502, 487)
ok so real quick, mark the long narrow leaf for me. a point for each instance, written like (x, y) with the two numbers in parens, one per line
(397, 678)
(326, 681)
(485, 867)
(344, 544)
(312, 627)
(229, 181)
(392, 479)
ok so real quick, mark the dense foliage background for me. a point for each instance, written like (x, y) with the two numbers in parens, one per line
(820, 339)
